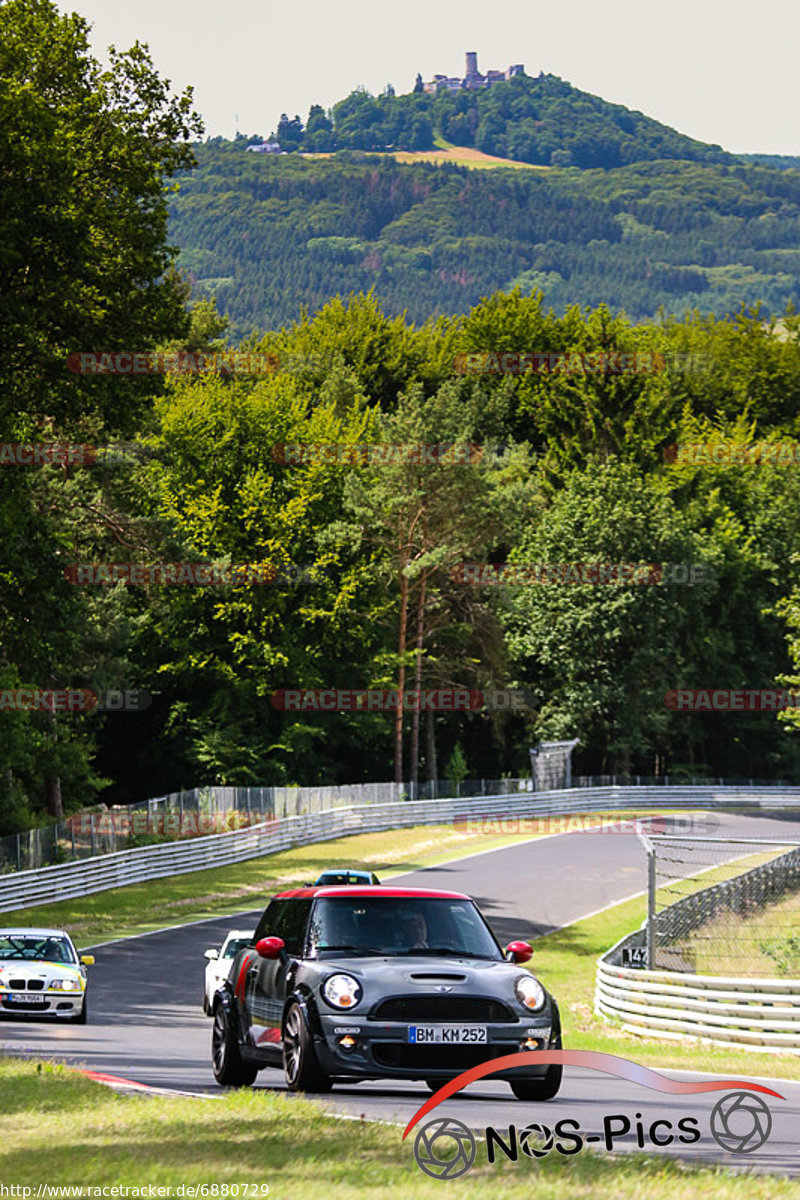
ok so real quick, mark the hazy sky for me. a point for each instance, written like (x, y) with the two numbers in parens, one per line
(721, 71)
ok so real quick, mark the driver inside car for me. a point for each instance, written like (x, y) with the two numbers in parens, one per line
(418, 931)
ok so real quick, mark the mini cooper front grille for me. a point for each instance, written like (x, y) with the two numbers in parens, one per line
(442, 1008)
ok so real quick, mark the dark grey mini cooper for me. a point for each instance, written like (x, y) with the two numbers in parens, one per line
(344, 983)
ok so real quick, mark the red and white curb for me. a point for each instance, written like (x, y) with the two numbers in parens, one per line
(119, 1084)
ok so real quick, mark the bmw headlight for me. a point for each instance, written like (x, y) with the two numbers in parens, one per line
(342, 991)
(530, 993)
(65, 985)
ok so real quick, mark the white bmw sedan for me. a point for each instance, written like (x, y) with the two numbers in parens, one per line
(219, 963)
(41, 975)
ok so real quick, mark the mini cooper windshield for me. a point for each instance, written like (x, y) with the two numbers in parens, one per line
(400, 926)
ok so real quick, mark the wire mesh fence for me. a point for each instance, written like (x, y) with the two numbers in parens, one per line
(200, 811)
(724, 906)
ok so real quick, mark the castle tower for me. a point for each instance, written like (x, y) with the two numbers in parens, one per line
(472, 64)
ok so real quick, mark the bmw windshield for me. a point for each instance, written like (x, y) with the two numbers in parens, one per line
(232, 947)
(17, 947)
(400, 925)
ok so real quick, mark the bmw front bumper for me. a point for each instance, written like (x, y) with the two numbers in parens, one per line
(46, 1004)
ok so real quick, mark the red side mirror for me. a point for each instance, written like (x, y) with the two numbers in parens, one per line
(518, 952)
(270, 947)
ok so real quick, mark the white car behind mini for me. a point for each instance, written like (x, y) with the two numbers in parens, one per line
(42, 975)
(219, 962)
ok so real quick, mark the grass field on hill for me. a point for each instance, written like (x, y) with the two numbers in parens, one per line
(464, 156)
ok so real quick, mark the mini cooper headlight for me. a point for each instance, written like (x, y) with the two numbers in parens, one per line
(342, 991)
(530, 993)
(65, 985)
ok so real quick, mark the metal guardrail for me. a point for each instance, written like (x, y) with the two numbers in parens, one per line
(47, 885)
(726, 1011)
(722, 1009)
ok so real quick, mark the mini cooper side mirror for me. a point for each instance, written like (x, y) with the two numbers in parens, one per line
(87, 960)
(209, 954)
(519, 952)
(270, 947)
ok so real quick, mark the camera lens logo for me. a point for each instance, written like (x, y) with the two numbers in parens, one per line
(740, 1122)
(433, 1148)
(536, 1140)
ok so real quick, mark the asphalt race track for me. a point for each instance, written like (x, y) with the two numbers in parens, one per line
(146, 1022)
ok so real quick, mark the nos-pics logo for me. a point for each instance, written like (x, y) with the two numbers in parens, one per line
(445, 1148)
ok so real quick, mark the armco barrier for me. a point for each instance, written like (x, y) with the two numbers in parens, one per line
(750, 1013)
(25, 889)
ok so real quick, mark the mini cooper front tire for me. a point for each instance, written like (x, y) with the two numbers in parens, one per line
(539, 1089)
(301, 1067)
(230, 1069)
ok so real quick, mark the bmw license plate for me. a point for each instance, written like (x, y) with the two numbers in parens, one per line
(24, 997)
(449, 1034)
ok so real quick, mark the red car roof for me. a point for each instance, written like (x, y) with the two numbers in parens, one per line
(364, 890)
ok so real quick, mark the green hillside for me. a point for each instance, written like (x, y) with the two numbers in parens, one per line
(543, 120)
(268, 234)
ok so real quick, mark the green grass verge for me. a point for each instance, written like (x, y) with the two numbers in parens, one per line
(57, 1127)
(566, 961)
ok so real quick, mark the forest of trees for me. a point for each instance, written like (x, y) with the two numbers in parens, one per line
(577, 466)
(267, 235)
(584, 475)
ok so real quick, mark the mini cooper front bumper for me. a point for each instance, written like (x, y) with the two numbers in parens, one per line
(361, 1047)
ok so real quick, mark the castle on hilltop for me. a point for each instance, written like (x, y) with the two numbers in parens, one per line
(473, 80)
